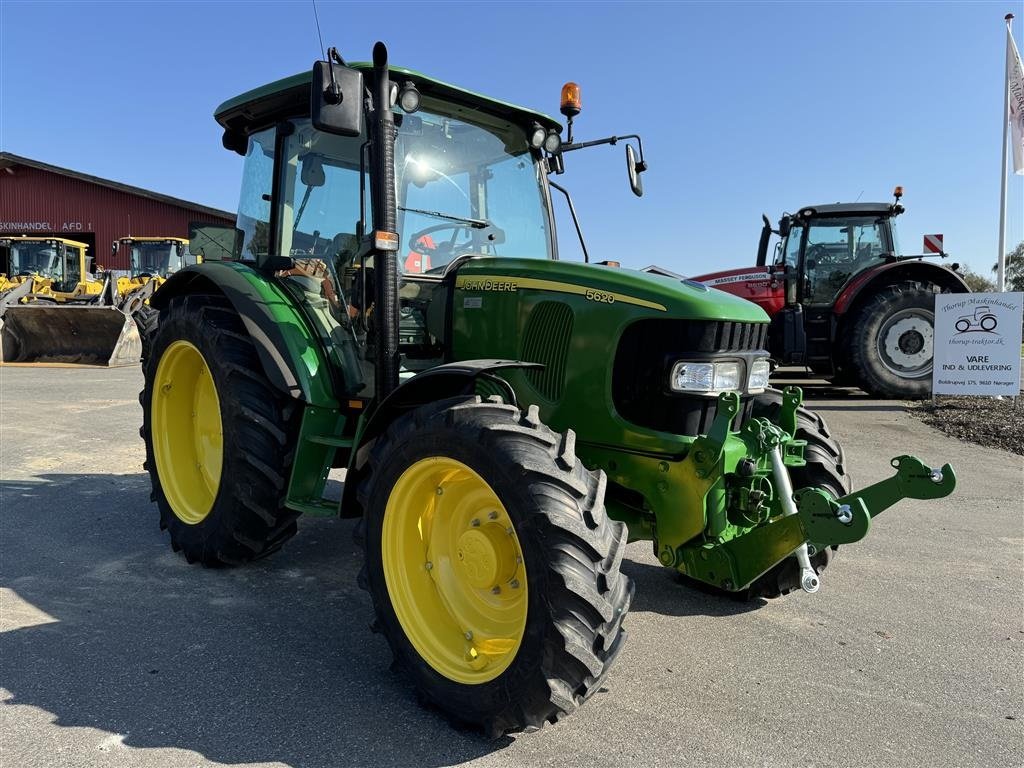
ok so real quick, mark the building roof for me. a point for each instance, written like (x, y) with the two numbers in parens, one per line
(9, 160)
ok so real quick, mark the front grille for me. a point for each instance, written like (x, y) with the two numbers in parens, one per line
(644, 359)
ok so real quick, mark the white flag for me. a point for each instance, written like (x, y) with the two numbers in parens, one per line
(1015, 88)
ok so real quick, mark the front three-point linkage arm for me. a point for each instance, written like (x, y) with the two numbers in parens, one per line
(831, 522)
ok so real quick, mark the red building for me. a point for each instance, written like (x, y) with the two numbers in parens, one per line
(43, 200)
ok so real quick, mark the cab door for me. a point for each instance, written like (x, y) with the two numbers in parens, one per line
(787, 336)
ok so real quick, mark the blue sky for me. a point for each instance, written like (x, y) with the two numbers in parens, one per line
(744, 108)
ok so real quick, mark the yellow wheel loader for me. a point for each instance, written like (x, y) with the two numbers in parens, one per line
(151, 261)
(68, 315)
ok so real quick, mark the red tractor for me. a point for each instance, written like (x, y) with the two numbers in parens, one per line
(843, 302)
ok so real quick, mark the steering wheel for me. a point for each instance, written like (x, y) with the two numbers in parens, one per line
(820, 255)
(443, 251)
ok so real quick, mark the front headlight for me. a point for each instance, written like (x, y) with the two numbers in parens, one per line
(705, 377)
(759, 373)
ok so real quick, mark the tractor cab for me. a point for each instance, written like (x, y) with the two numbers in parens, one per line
(823, 248)
(469, 182)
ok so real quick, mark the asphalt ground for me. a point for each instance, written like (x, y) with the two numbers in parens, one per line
(115, 652)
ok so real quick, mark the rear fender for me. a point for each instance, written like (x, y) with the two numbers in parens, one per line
(288, 348)
(921, 271)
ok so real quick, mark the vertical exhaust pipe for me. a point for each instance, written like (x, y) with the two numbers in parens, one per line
(385, 220)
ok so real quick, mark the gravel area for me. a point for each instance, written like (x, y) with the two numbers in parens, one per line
(982, 420)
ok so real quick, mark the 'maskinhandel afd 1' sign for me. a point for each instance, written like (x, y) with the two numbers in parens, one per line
(977, 344)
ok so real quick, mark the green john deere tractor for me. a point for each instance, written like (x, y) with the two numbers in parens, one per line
(507, 420)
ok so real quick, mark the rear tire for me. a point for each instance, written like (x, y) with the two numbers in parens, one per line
(247, 518)
(146, 318)
(891, 341)
(576, 597)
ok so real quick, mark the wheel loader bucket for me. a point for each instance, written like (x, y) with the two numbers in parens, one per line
(87, 335)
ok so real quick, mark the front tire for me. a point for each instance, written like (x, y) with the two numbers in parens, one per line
(493, 568)
(218, 436)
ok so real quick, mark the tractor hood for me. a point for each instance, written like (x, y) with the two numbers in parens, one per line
(607, 338)
(651, 295)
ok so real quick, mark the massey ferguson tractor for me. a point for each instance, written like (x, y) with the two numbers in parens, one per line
(842, 299)
(507, 420)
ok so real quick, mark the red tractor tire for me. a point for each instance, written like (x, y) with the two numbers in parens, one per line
(889, 340)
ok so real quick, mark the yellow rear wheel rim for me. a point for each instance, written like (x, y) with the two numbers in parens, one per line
(187, 432)
(454, 570)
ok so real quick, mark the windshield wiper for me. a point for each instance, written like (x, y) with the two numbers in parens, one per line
(474, 223)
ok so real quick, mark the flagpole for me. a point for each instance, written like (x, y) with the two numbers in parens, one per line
(1001, 263)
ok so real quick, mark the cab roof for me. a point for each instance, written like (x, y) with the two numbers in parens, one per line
(134, 239)
(39, 239)
(851, 209)
(259, 107)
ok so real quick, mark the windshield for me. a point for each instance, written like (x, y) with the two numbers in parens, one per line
(35, 258)
(836, 249)
(466, 187)
(155, 258)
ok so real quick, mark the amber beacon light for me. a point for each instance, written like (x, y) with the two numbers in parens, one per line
(571, 104)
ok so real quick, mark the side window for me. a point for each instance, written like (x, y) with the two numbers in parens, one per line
(514, 198)
(868, 244)
(74, 266)
(791, 255)
(254, 202)
(319, 218)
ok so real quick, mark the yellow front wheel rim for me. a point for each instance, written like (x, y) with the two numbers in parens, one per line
(454, 570)
(187, 432)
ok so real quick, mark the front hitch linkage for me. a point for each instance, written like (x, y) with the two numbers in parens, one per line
(831, 522)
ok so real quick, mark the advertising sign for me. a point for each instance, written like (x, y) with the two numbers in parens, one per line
(977, 344)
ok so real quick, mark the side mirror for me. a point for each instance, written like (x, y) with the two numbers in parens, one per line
(785, 224)
(113, 248)
(635, 169)
(336, 99)
(214, 242)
